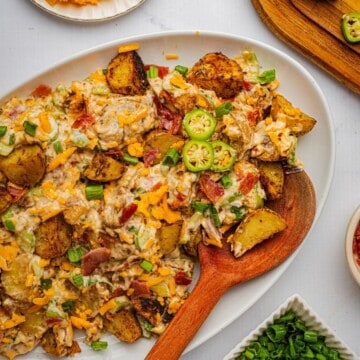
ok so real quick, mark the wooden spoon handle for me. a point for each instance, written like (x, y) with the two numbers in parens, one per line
(190, 317)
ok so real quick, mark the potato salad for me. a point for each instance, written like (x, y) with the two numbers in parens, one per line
(108, 185)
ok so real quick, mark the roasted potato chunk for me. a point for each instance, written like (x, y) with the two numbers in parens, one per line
(124, 325)
(25, 166)
(161, 141)
(169, 236)
(104, 168)
(257, 226)
(53, 237)
(217, 72)
(298, 122)
(126, 74)
(5, 199)
(272, 178)
(13, 281)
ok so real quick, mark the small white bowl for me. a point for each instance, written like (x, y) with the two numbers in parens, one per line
(296, 304)
(350, 257)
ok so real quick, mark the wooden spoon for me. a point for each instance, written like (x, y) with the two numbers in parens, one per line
(220, 270)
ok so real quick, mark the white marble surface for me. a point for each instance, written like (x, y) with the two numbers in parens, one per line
(32, 40)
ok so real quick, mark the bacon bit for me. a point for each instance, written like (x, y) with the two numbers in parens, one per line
(210, 188)
(114, 153)
(140, 289)
(41, 91)
(15, 191)
(247, 182)
(247, 85)
(117, 292)
(150, 156)
(128, 212)
(253, 116)
(83, 121)
(169, 120)
(91, 260)
(182, 279)
(162, 70)
(179, 201)
(53, 321)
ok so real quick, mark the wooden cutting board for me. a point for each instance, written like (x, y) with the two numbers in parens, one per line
(327, 14)
(301, 29)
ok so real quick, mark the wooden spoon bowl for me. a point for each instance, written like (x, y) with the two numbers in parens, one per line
(220, 270)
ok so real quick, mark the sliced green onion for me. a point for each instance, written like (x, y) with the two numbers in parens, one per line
(74, 254)
(78, 280)
(45, 284)
(68, 306)
(199, 206)
(94, 192)
(276, 332)
(226, 181)
(12, 139)
(214, 216)
(147, 265)
(133, 160)
(58, 147)
(171, 158)
(3, 130)
(99, 345)
(153, 72)
(9, 225)
(183, 70)
(224, 109)
(79, 139)
(267, 76)
(29, 127)
(239, 212)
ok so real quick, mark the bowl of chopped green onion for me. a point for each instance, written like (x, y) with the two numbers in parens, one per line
(352, 245)
(293, 331)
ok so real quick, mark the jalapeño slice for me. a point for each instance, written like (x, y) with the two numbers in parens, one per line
(199, 124)
(198, 155)
(350, 26)
(224, 156)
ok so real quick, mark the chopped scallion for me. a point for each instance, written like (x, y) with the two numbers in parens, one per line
(68, 306)
(147, 265)
(9, 225)
(214, 216)
(226, 181)
(78, 279)
(199, 206)
(94, 192)
(183, 70)
(12, 139)
(99, 345)
(224, 109)
(239, 212)
(3, 130)
(58, 147)
(45, 284)
(74, 254)
(171, 157)
(132, 160)
(267, 76)
(29, 127)
(153, 72)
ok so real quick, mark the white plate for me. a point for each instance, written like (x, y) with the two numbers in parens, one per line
(312, 320)
(105, 10)
(316, 149)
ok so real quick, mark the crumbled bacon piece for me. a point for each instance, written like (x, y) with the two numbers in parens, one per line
(83, 121)
(210, 188)
(42, 90)
(91, 260)
(128, 212)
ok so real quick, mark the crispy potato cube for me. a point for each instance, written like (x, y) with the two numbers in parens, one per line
(25, 166)
(272, 178)
(298, 122)
(104, 168)
(257, 226)
(215, 71)
(124, 325)
(53, 237)
(126, 74)
(169, 236)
